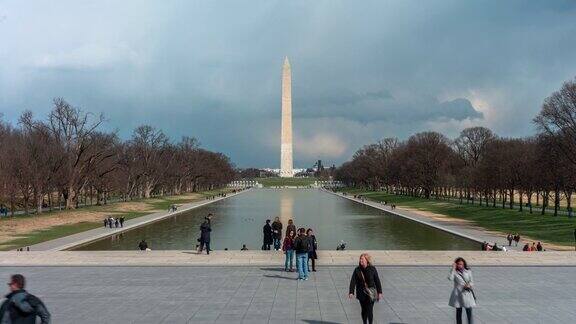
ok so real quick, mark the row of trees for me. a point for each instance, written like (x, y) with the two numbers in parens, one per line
(479, 166)
(67, 159)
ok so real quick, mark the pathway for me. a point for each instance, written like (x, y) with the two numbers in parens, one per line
(266, 295)
(70, 241)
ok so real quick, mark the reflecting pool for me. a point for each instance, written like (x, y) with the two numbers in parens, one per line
(238, 220)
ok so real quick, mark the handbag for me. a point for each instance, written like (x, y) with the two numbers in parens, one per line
(369, 291)
(469, 288)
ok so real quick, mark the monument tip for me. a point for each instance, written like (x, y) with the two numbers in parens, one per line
(286, 62)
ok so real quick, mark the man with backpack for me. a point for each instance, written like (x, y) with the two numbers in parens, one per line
(301, 247)
(20, 307)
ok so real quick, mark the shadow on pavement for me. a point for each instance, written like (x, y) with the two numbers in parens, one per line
(280, 277)
(273, 269)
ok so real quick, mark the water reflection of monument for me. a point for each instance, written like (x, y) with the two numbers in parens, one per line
(286, 205)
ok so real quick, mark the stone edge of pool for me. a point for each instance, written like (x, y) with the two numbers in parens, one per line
(276, 258)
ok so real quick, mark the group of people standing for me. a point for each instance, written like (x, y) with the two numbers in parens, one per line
(513, 238)
(114, 223)
(299, 245)
(533, 248)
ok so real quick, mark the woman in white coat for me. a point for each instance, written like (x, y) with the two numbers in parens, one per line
(463, 294)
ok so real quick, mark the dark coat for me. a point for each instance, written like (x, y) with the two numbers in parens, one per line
(300, 244)
(291, 227)
(267, 231)
(205, 230)
(23, 308)
(288, 244)
(277, 230)
(313, 247)
(372, 280)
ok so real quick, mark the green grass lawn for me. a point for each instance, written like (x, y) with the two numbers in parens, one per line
(279, 182)
(54, 232)
(558, 230)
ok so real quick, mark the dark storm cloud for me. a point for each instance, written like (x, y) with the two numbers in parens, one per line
(361, 71)
(382, 106)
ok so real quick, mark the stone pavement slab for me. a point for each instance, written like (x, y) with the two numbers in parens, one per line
(269, 295)
(273, 258)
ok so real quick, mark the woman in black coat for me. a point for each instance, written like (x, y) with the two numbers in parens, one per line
(267, 232)
(312, 255)
(365, 275)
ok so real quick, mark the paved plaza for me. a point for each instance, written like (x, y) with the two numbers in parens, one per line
(240, 294)
(262, 258)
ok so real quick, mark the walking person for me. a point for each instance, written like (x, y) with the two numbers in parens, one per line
(517, 238)
(21, 307)
(267, 233)
(122, 221)
(277, 233)
(105, 222)
(301, 247)
(365, 282)
(205, 229)
(117, 222)
(462, 294)
(509, 238)
(312, 255)
(288, 248)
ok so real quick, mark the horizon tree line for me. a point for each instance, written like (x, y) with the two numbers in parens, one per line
(479, 166)
(66, 160)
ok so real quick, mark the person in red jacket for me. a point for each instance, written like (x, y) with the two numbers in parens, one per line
(288, 248)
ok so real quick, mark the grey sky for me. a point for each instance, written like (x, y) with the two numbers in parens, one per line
(361, 70)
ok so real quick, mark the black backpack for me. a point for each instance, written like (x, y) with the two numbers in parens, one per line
(302, 244)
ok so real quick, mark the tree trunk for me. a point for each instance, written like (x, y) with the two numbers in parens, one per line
(511, 203)
(70, 198)
(556, 201)
(544, 201)
(494, 198)
(39, 200)
(50, 201)
(569, 203)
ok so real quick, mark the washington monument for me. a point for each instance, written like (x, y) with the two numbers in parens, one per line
(286, 167)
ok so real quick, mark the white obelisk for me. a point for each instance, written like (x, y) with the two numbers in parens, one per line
(286, 167)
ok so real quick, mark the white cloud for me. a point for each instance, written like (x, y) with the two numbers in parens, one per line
(323, 145)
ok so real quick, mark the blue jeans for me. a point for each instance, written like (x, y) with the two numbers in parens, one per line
(302, 261)
(276, 244)
(289, 257)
